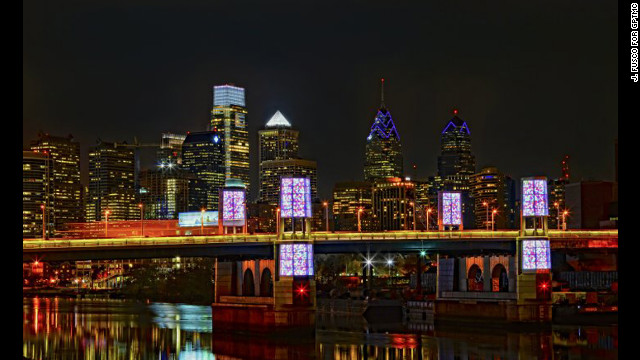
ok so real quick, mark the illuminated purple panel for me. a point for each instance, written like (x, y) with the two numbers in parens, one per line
(536, 255)
(233, 210)
(451, 208)
(296, 259)
(286, 260)
(295, 198)
(534, 197)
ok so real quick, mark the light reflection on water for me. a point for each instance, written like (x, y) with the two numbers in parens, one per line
(117, 329)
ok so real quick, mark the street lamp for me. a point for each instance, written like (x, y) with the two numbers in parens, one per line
(428, 212)
(486, 205)
(557, 205)
(564, 220)
(360, 210)
(278, 221)
(202, 221)
(141, 206)
(106, 223)
(389, 263)
(413, 209)
(326, 214)
(44, 224)
(493, 222)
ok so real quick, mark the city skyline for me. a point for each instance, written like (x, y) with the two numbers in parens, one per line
(522, 91)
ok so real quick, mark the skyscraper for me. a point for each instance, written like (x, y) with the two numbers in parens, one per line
(112, 182)
(456, 164)
(488, 193)
(203, 157)
(348, 197)
(278, 149)
(171, 148)
(35, 181)
(229, 118)
(393, 204)
(278, 139)
(164, 192)
(383, 151)
(65, 189)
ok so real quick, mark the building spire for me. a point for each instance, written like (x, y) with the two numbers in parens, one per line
(382, 93)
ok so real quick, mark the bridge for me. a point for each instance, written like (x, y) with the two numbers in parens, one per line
(262, 245)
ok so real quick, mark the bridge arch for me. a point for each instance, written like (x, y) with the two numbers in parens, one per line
(499, 279)
(248, 286)
(266, 283)
(475, 279)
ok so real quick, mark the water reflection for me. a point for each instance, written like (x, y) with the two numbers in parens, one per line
(115, 329)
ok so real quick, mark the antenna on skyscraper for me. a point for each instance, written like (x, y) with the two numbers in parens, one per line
(565, 168)
(382, 93)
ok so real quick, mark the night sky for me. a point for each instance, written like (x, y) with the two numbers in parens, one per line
(533, 79)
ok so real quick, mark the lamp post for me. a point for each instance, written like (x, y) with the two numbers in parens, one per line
(557, 214)
(360, 210)
(202, 221)
(106, 223)
(486, 205)
(326, 214)
(141, 206)
(564, 219)
(493, 222)
(413, 209)
(44, 223)
(278, 221)
(428, 212)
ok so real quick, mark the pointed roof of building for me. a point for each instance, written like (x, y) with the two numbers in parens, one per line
(383, 125)
(278, 120)
(456, 124)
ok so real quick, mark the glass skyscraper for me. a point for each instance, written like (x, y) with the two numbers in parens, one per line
(228, 117)
(383, 151)
(203, 157)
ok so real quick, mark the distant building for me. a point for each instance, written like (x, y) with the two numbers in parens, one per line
(278, 139)
(383, 150)
(111, 183)
(229, 118)
(278, 149)
(589, 204)
(511, 211)
(64, 203)
(164, 192)
(170, 151)
(348, 197)
(393, 204)
(456, 164)
(203, 157)
(556, 191)
(261, 218)
(488, 193)
(35, 181)
(272, 170)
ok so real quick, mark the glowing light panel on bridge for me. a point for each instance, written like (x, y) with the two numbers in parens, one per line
(536, 255)
(233, 209)
(192, 219)
(534, 197)
(450, 208)
(295, 197)
(296, 260)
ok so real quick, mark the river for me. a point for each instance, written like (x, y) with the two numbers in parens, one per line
(56, 328)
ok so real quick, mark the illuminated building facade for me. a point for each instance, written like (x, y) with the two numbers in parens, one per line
(272, 171)
(488, 187)
(170, 151)
(278, 140)
(203, 157)
(456, 164)
(164, 192)
(35, 181)
(229, 118)
(383, 150)
(348, 197)
(556, 191)
(64, 203)
(112, 183)
(391, 204)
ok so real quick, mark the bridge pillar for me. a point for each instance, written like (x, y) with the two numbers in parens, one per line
(462, 274)
(486, 274)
